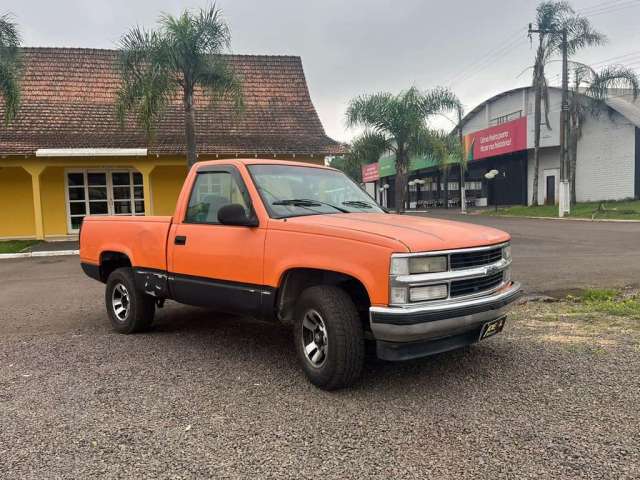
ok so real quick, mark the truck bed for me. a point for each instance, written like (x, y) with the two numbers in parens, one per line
(142, 239)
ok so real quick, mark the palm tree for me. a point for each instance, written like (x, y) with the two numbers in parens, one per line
(182, 54)
(402, 121)
(10, 66)
(589, 92)
(551, 18)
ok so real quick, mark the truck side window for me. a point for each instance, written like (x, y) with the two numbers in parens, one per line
(211, 192)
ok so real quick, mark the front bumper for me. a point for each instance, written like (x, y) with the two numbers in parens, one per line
(411, 332)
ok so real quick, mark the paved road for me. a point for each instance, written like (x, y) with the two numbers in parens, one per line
(554, 256)
(207, 396)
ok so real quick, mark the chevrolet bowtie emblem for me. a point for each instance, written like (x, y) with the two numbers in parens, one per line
(491, 269)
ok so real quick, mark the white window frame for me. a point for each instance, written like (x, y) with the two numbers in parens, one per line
(109, 186)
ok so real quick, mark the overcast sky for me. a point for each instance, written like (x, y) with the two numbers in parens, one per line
(349, 47)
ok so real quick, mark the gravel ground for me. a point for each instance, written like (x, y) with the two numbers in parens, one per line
(203, 395)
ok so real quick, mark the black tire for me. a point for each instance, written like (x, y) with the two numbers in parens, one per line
(344, 352)
(139, 308)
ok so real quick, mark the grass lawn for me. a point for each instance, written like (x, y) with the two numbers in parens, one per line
(623, 210)
(603, 316)
(613, 302)
(16, 246)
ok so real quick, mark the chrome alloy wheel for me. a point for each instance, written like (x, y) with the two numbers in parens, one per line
(314, 338)
(120, 302)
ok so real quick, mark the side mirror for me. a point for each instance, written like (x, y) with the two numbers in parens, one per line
(235, 214)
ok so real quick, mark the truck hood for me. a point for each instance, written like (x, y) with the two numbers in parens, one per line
(416, 233)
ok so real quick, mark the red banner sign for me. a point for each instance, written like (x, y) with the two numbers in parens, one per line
(490, 142)
(371, 172)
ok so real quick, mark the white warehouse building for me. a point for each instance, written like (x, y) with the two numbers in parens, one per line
(500, 134)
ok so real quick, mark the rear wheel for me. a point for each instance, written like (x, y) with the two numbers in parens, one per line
(130, 310)
(328, 337)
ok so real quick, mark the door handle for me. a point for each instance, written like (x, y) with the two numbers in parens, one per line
(180, 240)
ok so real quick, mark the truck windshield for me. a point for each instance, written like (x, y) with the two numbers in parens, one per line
(292, 191)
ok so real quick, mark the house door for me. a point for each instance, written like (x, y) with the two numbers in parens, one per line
(102, 192)
(550, 197)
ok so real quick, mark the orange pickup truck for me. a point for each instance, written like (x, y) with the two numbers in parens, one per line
(305, 245)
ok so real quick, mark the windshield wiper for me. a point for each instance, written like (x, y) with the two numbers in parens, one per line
(357, 204)
(307, 202)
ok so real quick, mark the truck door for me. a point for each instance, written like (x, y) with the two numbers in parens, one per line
(215, 265)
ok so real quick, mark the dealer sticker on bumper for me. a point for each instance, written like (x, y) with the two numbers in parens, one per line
(491, 328)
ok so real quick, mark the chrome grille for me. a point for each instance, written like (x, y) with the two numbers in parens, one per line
(463, 260)
(475, 285)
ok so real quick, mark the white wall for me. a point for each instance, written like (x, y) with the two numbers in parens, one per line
(507, 104)
(606, 159)
(549, 137)
(549, 159)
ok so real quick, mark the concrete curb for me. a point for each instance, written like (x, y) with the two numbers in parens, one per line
(572, 219)
(51, 253)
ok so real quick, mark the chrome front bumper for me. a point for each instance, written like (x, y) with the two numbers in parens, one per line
(439, 320)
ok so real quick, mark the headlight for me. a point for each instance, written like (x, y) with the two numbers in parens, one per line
(430, 292)
(416, 265)
(506, 252)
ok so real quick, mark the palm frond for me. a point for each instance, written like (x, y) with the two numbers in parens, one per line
(219, 80)
(581, 34)
(368, 147)
(370, 110)
(9, 90)
(428, 142)
(439, 100)
(613, 77)
(146, 95)
(147, 81)
(10, 67)
(212, 30)
(9, 34)
(582, 73)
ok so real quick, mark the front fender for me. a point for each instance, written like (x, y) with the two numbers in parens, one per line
(367, 263)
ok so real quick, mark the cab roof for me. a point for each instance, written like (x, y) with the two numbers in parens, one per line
(260, 161)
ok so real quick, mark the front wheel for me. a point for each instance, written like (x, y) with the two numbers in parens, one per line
(328, 337)
(130, 310)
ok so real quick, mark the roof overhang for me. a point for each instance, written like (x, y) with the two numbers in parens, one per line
(91, 152)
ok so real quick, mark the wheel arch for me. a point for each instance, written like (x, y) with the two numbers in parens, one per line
(295, 280)
(111, 260)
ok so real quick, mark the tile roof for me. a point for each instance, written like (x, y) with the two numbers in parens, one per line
(68, 97)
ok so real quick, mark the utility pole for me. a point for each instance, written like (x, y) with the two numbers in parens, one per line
(564, 204)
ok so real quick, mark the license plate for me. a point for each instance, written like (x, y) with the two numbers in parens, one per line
(491, 328)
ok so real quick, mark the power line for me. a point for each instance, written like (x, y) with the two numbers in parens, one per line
(611, 9)
(631, 56)
(600, 6)
(480, 60)
(497, 56)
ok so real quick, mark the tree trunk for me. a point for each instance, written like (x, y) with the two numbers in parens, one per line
(445, 180)
(537, 118)
(463, 192)
(402, 164)
(190, 128)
